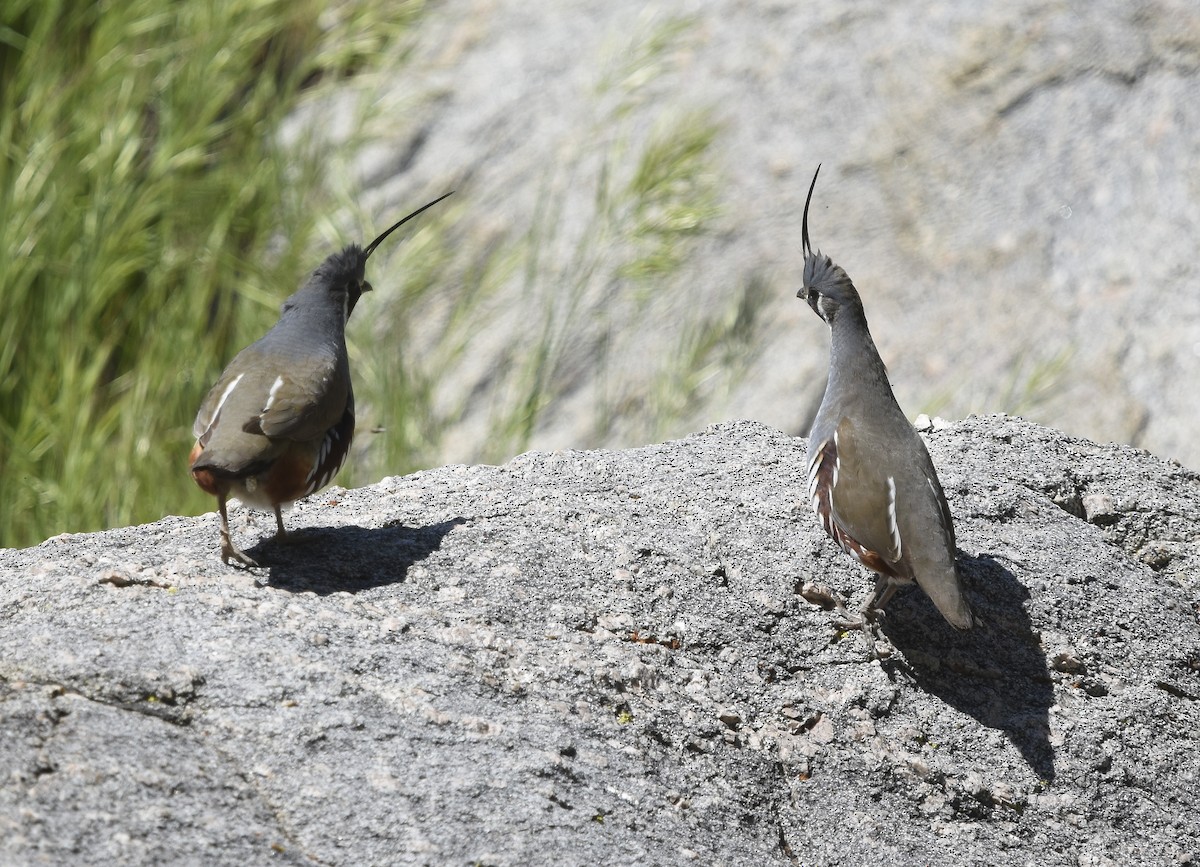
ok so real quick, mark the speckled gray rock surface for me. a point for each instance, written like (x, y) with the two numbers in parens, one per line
(1014, 187)
(603, 658)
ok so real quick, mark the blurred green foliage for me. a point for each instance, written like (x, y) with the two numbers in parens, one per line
(144, 201)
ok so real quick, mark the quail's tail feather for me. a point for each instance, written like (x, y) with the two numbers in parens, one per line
(945, 589)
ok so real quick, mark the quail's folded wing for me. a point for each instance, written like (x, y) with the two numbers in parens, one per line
(863, 495)
(301, 402)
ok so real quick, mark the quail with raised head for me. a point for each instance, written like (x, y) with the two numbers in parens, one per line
(870, 477)
(278, 424)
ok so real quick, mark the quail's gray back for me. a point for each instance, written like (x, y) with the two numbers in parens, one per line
(871, 480)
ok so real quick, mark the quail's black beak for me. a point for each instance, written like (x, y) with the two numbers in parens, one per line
(364, 286)
(354, 294)
(811, 298)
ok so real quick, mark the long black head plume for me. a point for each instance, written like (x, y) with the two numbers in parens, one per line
(371, 247)
(826, 288)
(343, 274)
(805, 246)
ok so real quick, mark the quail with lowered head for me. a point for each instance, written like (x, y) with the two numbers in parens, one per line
(278, 424)
(870, 477)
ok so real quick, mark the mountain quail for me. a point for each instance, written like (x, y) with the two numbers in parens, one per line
(870, 478)
(278, 424)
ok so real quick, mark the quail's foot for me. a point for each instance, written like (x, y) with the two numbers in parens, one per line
(229, 551)
(868, 620)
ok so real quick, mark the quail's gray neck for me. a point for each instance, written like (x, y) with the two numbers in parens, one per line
(856, 372)
(311, 326)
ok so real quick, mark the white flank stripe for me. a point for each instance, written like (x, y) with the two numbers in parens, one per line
(893, 525)
(837, 463)
(274, 391)
(225, 394)
(322, 454)
(814, 466)
(220, 403)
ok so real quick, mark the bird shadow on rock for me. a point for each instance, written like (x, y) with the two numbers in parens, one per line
(996, 672)
(327, 560)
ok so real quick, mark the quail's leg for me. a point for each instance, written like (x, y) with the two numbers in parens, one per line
(280, 533)
(228, 549)
(872, 614)
(885, 589)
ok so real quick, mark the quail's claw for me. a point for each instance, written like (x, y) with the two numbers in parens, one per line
(877, 644)
(229, 551)
(866, 621)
